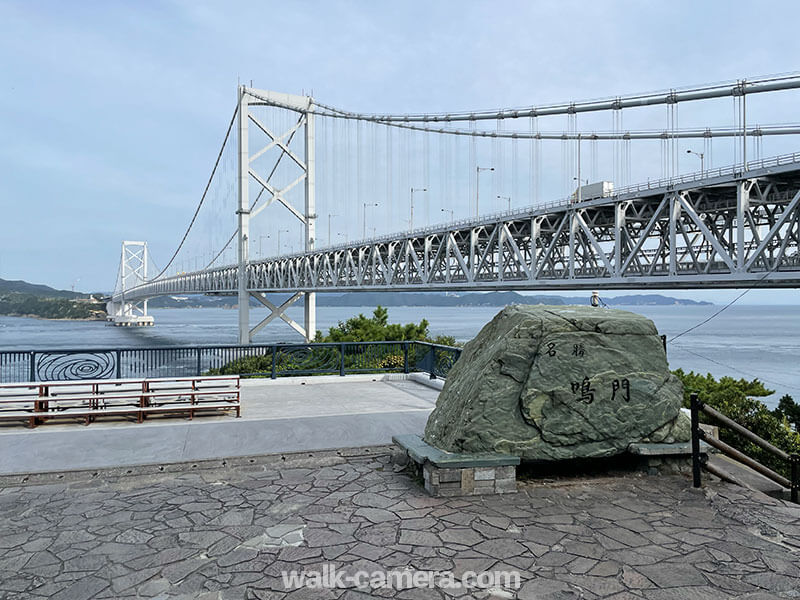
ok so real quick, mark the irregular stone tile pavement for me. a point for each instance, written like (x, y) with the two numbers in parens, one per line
(228, 533)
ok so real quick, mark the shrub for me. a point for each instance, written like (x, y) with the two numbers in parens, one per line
(737, 399)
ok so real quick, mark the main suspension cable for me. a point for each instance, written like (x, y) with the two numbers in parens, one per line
(203, 197)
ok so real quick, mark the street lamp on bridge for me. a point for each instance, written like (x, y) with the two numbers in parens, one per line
(507, 199)
(261, 244)
(702, 156)
(366, 204)
(329, 227)
(279, 239)
(478, 185)
(452, 213)
(411, 220)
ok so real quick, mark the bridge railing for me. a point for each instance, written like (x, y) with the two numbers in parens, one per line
(266, 360)
(752, 165)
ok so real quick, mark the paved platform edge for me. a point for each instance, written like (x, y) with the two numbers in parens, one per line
(417, 377)
(279, 459)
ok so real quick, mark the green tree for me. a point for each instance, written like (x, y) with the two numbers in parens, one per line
(788, 409)
(738, 400)
(378, 329)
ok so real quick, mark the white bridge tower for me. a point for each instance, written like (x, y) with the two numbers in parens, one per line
(132, 272)
(305, 165)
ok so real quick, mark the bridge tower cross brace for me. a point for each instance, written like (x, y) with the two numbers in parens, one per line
(245, 211)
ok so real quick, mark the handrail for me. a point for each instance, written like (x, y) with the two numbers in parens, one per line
(281, 359)
(698, 434)
(742, 431)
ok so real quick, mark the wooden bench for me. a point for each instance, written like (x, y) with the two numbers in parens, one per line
(35, 403)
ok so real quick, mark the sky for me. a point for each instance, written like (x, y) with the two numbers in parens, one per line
(111, 113)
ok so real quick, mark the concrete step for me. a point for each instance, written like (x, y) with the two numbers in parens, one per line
(747, 477)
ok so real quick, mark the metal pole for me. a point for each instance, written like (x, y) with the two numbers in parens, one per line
(477, 189)
(411, 219)
(744, 127)
(695, 409)
(580, 183)
(364, 231)
(478, 185)
(795, 460)
(243, 213)
(310, 304)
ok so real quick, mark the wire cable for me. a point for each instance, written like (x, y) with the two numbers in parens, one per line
(202, 198)
(724, 308)
(258, 197)
(736, 369)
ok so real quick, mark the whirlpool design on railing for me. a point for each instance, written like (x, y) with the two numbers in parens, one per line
(65, 366)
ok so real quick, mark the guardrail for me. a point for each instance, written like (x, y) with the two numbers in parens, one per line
(270, 360)
(698, 434)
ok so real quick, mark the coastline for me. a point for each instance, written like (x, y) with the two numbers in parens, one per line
(40, 318)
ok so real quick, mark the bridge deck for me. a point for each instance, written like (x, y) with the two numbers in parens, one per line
(725, 229)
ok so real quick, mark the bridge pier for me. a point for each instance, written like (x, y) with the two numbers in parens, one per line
(128, 314)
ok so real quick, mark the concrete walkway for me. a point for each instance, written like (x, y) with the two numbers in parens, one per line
(282, 415)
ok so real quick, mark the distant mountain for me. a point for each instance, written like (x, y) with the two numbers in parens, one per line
(432, 299)
(23, 299)
(488, 299)
(653, 300)
(35, 289)
(372, 299)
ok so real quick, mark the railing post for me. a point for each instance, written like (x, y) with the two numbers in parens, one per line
(32, 372)
(341, 359)
(198, 361)
(274, 360)
(405, 357)
(118, 374)
(795, 462)
(695, 408)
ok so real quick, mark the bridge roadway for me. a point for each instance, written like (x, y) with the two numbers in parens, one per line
(723, 229)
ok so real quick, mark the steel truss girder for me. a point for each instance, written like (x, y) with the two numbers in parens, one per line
(724, 233)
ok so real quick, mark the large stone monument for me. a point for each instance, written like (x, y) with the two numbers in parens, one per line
(559, 382)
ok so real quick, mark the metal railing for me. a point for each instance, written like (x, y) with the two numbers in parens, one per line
(698, 434)
(270, 360)
(727, 170)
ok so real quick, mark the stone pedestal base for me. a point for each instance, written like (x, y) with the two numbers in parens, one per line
(451, 474)
(666, 459)
(469, 481)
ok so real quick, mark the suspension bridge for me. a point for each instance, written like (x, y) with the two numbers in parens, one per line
(438, 202)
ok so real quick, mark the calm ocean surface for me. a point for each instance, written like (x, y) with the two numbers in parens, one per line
(744, 341)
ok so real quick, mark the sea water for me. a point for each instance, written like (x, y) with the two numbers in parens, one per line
(743, 341)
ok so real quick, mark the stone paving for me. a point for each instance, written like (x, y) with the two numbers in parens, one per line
(228, 533)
